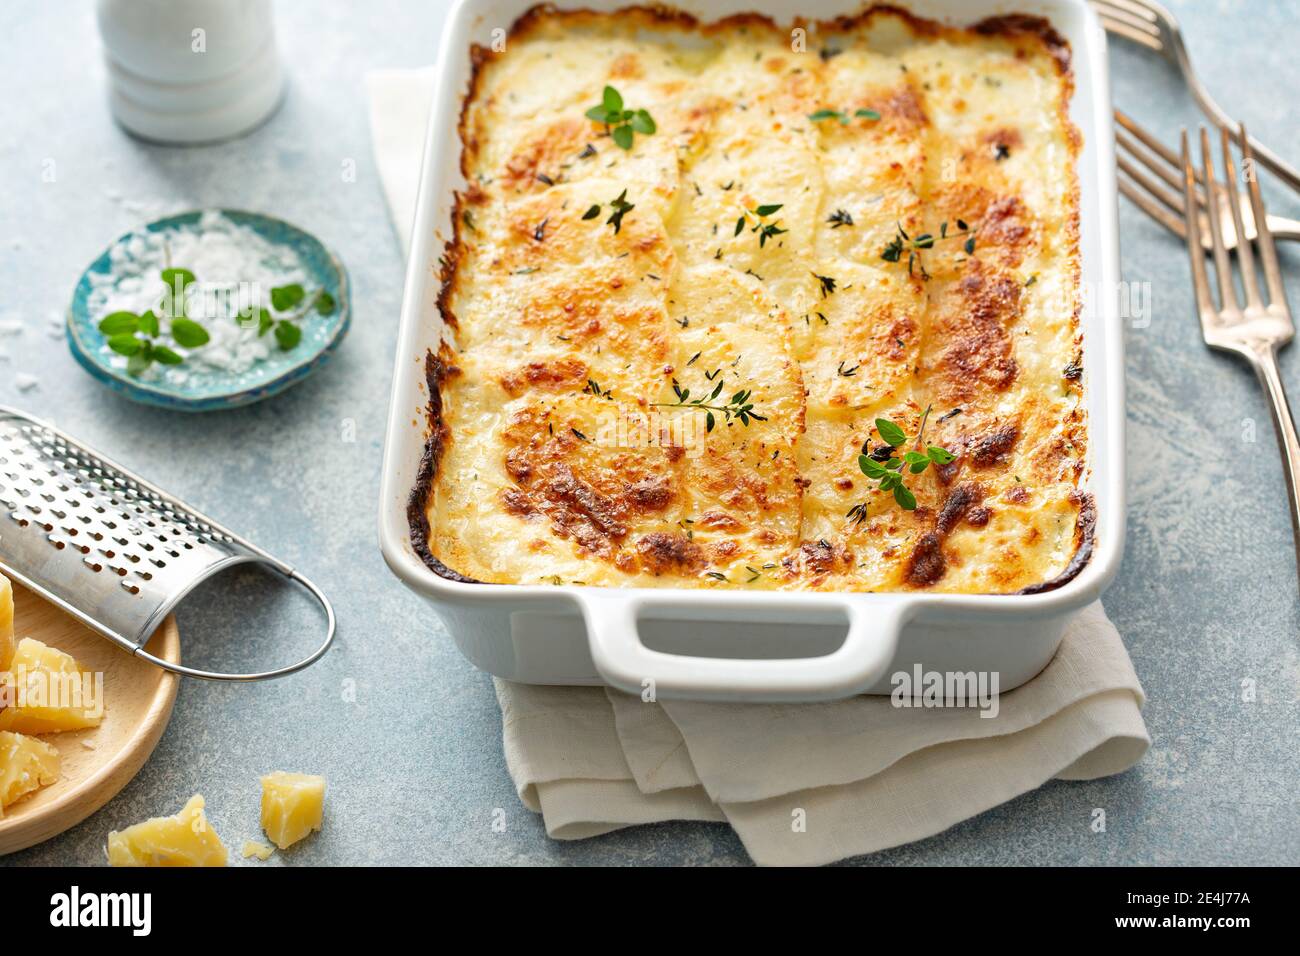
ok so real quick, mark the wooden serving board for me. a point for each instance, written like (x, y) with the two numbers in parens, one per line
(96, 762)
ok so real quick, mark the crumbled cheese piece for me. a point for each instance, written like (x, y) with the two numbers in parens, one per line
(292, 806)
(186, 839)
(49, 692)
(25, 381)
(259, 850)
(26, 765)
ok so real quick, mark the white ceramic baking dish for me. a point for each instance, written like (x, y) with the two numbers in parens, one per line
(758, 646)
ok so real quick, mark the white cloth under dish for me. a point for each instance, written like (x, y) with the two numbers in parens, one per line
(800, 784)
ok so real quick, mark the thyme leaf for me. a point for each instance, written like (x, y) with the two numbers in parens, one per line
(755, 219)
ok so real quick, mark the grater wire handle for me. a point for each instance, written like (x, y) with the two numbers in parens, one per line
(330, 628)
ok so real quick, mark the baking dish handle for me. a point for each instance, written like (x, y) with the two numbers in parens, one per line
(625, 662)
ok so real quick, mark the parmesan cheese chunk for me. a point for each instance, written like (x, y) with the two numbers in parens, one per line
(186, 839)
(48, 691)
(26, 765)
(292, 806)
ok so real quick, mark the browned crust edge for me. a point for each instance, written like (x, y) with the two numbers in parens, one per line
(1085, 533)
(439, 367)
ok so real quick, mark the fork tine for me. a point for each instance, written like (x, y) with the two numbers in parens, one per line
(1135, 7)
(1153, 209)
(1157, 147)
(1168, 171)
(1124, 13)
(1267, 253)
(1249, 280)
(1172, 199)
(1204, 300)
(1120, 28)
(1227, 287)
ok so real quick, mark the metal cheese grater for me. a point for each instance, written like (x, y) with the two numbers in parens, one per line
(108, 547)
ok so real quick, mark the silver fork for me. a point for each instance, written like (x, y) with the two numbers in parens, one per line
(1147, 23)
(1256, 330)
(1151, 176)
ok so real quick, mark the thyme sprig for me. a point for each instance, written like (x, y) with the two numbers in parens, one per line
(621, 124)
(755, 219)
(738, 406)
(915, 245)
(593, 388)
(619, 207)
(892, 471)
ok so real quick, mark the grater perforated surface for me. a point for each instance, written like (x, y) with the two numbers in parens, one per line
(107, 546)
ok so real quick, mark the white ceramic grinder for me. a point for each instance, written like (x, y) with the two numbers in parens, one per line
(190, 71)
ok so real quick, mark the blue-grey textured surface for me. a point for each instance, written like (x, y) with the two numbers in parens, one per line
(406, 730)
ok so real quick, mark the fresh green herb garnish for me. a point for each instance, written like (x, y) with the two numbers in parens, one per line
(842, 115)
(593, 388)
(284, 298)
(287, 335)
(738, 406)
(892, 472)
(178, 279)
(133, 335)
(118, 323)
(188, 333)
(915, 245)
(827, 284)
(754, 218)
(840, 217)
(619, 207)
(621, 124)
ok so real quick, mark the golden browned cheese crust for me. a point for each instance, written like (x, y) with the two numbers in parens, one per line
(585, 414)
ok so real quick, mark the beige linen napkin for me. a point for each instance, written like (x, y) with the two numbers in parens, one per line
(799, 783)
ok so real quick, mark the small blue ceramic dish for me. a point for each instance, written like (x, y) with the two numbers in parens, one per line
(210, 389)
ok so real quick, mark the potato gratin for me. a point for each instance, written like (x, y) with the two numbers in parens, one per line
(738, 305)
